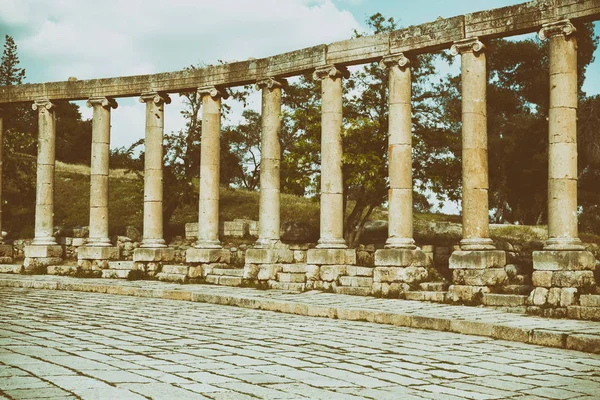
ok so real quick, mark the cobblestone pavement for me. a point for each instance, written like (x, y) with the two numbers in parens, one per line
(60, 344)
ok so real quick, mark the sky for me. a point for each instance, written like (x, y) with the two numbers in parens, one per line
(93, 39)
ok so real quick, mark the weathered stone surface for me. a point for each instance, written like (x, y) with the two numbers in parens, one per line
(568, 297)
(542, 279)
(460, 293)
(479, 277)
(11, 268)
(97, 253)
(42, 251)
(6, 250)
(563, 260)
(172, 277)
(352, 270)
(228, 271)
(589, 300)
(230, 280)
(129, 265)
(400, 258)
(504, 300)
(478, 259)
(30, 263)
(251, 271)
(312, 272)
(356, 281)
(269, 256)
(538, 296)
(61, 269)
(554, 296)
(572, 278)
(354, 290)
(194, 255)
(331, 273)
(331, 256)
(583, 342)
(115, 273)
(400, 274)
(269, 271)
(196, 272)
(150, 254)
(291, 278)
(175, 269)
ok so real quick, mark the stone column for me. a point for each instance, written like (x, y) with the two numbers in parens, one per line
(564, 266)
(6, 250)
(562, 140)
(99, 246)
(270, 159)
(153, 242)
(208, 247)
(332, 181)
(478, 266)
(44, 249)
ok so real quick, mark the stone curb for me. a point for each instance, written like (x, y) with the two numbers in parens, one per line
(589, 343)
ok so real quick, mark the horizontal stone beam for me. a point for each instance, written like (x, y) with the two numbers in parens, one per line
(428, 37)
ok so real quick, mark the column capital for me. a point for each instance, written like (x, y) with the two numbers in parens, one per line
(213, 91)
(106, 102)
(562, 27)
(330, 71)
(467, 45)
(270, 83)
(156, 97)
(42, 104)
(398, 59)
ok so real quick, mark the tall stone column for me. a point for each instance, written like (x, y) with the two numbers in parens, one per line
(153, 242)
(99, 246)
(332, 181)
(564, 266)
(391, 276)
(478, 266)
(270, 159)
(6, 250)
(44, 249)
(208, 248)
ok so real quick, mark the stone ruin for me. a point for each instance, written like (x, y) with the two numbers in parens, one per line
(562, 278)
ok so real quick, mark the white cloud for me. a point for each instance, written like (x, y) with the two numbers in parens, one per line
(91, 39)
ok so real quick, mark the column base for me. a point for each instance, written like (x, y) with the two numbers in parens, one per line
(398, 270)
(564, 244)
(208, 244)
(400, 258)
(269, 256)
(332, 243)
(6, 254)
(43, 251)
(153, 244)
(44, 241)
(153, 254)
(95, 252)
(400, 243)
(477, 244)
(207, 255)
(267, 243)
(474, 273)
(99, 242)
(39, 257)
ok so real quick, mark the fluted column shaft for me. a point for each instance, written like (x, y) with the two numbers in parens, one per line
(153, 169)
(332, 180)
(562, 143)
(210, 154)
(99, 173)
(475, 203)
(44, 199)
(400, 209)
(270, 159)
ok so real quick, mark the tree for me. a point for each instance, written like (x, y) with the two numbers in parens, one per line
(10, 73)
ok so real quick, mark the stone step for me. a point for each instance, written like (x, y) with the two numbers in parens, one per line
(517, 289)
(123, 265)
(504, 300)
(61, 269)
(115, 273)
(354, 290)
(434, 286)
(175, 269)
(172, 277)
(11, 268)
(589, 300)
(433, 296)
(237, 272)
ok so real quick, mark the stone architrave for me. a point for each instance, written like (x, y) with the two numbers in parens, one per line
(6, 250)
(99, 246)
(270, 160)
(562, 139)
(332, 201)
(400, 214)
(474, 145)
(153, 169)
(208, 208)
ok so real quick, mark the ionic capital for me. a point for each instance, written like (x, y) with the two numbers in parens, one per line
(330, 71)
(270, 83)
(562, 27)
(106, 102)
(467, 45)
(214, 92)
(398, 59)
(157, 98)
(42, 104)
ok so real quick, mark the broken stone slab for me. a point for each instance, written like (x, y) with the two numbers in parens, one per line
(152, 254)
(567, 260)
(207, 256)
(400, 258)
(98, 253)
(331, 256)
(477, 259)
(269, 256)
(43, 251)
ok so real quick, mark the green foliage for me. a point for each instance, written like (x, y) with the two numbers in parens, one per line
(10, 72)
